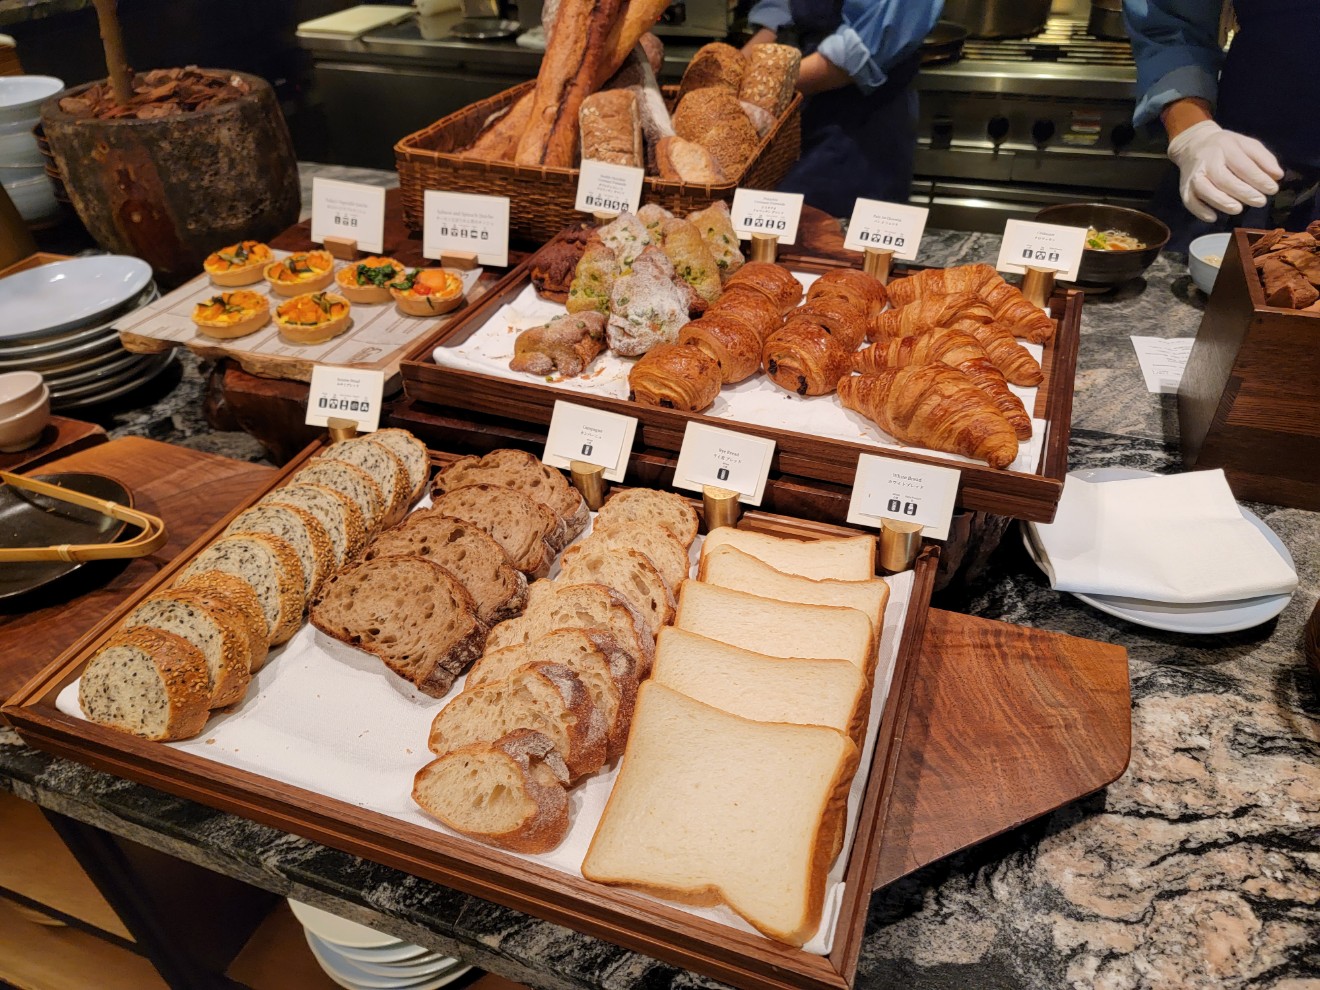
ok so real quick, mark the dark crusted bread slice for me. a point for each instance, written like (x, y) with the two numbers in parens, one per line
(219, 635)
(338, 514)
(226, 591)
(411, 613)
(647, 507)
(547, 697)
(552, 606)
(609, 673)
(466, 551)
(631, 574)
(511, 793)
(384, 466)
(298, 528)
(267, 563)
(662, 548)
(147, 682)
(526, 530)
(414, 455)
(519, 470)
(347, 479)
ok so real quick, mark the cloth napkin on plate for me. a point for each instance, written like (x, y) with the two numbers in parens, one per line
(1171, 538)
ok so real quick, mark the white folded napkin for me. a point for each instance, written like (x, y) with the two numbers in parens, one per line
(1171, 538)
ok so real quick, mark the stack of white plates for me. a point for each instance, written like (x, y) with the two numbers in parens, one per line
(361, 958)
(22, 168)
(59, 321)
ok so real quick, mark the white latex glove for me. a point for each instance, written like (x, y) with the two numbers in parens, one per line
(1222, 170)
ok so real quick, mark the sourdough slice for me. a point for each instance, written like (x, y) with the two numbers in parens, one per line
(522, 472)
(384, 467)
(764, 688)
(710, 808)
(631, 574)
(661, 547)
(546, 697)
(466, 551)
(553, 606)
(148, 682)
(270, 566)
(609, 673)
(775, 628)
(338, 514)
(647, 507)
(414, 455)
(511, 793)
(411, 613)
(351, 481)
(219, 636)
(728, 567)
(298, 528)
(526, 530)
(850, 558)
(226, 591)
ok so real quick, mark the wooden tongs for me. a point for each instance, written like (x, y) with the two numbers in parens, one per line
(151, 539)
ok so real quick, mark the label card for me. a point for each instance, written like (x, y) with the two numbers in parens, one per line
(580, 433)
(724, 459)
(887, 226)
(1050, 246)
(349, 209)
(1162, 361)
(348, 393)
(757, 211)
(885, 488)
(466, 222)
(606, 188)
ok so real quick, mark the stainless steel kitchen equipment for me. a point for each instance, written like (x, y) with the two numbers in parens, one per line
(1106, 20)
(998, 18)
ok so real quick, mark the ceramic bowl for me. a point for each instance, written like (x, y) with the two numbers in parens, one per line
(21, 429)
(18, 390)
(1109, 268)
(21, 98)
(33, 196)
(1204, 256)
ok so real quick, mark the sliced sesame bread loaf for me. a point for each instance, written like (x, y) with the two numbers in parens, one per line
(521, 471)
(298, 528)
(385, 468)
(338, 514)
(552, 606)
(217, 634)
(631, 574)
(226, 591)
(148, 682)
(647, 507)
(350, 480)
(661, 547)
(414, 455)
(526, 530)
(270, 566)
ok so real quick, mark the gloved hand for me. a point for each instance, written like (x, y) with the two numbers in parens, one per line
(1222, 170)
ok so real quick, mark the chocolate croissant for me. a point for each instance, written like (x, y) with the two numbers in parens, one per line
(841, 318)
(806, 359)
(728, 341)
(777, 284)
(753, 309)
(933, 406)
(857, 288)
(675, 376)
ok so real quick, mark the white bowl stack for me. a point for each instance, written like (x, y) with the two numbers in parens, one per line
(22, 167)
(360, 958)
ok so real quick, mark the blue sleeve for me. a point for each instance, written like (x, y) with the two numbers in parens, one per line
(878, 34)
(772, 14)
(1176, 47)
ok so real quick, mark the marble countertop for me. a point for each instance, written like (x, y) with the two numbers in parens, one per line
(1198, 868)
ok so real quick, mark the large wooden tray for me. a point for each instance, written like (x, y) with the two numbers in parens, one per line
(1008, 493)
(743, 960)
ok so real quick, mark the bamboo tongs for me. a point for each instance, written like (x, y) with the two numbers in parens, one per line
(151, 539)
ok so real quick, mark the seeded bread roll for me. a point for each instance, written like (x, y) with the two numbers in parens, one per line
(525, 529)
(771, 77)
(522, 472)
(713, 118)
(219, 636)
(338, 514)
(298, 528)
(151, 683)
(384, 466)
(648, 507)
(270, 566)
(351, 481)
(716, 64)
(611, 128)
(412, 452)
(632, 575)
(662, 548)
(225, 591)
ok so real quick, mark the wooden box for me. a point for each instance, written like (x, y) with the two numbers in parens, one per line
(1249, 401)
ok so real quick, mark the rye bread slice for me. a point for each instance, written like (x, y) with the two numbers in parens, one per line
(661, 547)
(552, 606)
(338, 514)
(526, 530)
(638, 507)
(217, 634)
(298, 528)
(385, 468)
(147, 682)
(631, 574)
(522, 472)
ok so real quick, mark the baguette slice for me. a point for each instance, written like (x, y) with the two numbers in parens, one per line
(522, 472)
(298, 528)
(767, 689)
(647, 507)
(270, 566)
(850, 558)
(414, 455)
(511, 793)
(712, 808)
(225, 591)
(338, 514)
(384, 467)
(553, 606)
(631, 574)
(218, 635)
(775, 628)
(729, 567)
(546, 697)
(148, 682)
(661, 547)
(525, 528)
(351, 481)
(411, 613)
(467, 552)
(607, 671)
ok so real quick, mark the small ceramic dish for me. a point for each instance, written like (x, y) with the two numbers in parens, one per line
(238, 264)
(428, 292)
(313, 317)
(227, 315)
(369, 280)
(20, 429)
(18, 390)
(1205, 255)
(305, 271)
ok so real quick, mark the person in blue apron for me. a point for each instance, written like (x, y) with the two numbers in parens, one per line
(1242, 126)
(859, 119)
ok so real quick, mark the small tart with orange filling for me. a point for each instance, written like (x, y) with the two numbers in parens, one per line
(305, 271)
(428, 291)
(238, 264)
(227, 315)
(313, 317)
(369, 280)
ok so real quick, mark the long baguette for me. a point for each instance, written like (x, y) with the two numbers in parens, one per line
(638, 18)
(499, 140)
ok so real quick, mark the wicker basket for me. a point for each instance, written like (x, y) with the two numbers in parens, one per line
(541, 199)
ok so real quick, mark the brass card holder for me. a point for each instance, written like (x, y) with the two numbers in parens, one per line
(720, 507)
(341, 429)
(878, 264)
(151, 539)
(765, 247)
(589, 479)
(1038, 286)
(900, 542)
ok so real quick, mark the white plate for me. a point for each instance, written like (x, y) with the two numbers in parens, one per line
(377, 977)
(108, 380)
(149, 371)
(1202, 618)
(404, 953)
(422, 963)
(340, 931)
(63, 295)
(55, 343)
(337, 967)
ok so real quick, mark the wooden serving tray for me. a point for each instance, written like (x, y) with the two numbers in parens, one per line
(1009, 493)
(741, 959)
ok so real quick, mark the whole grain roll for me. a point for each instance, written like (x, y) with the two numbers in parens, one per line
(611, 128)
(713, 118)
(716, 64)
(771, 77)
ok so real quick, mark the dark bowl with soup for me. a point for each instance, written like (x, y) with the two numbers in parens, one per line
(1122, 243)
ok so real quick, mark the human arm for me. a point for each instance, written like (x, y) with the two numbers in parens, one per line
(875, 36)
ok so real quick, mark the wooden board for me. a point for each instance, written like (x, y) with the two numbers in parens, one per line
(60, 437)
(32, 261)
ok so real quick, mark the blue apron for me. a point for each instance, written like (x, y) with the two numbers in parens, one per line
(853, 143)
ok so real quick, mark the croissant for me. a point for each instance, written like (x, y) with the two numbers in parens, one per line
(779, 285)
(754, 309)
(674, 376)
(1004, 352)
(958, 350)
(858, 288)
(840, 317)
(939, 311)
(805, 359)
(1010, 306)
(933, 406)
(728, 341)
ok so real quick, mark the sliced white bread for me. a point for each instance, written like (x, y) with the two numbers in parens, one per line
(662, 548)
(729, 567)
(385, 468)
(414, 455)
(526, 530)
(351, 481)
(270, 566)
(298, 528)
(226, 591)
(546, 697)
(511, 793)
(552, 606)
(148, 682)
(338, 514)
(218, 635)
(631, 574)
(411, 613)
(646, 507)
(768, 689)
(711, 808)
(850, 558)
(607, 671)
(775, 628)
(521, 471)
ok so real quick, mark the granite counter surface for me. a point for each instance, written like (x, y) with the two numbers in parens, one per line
(1199, 868)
